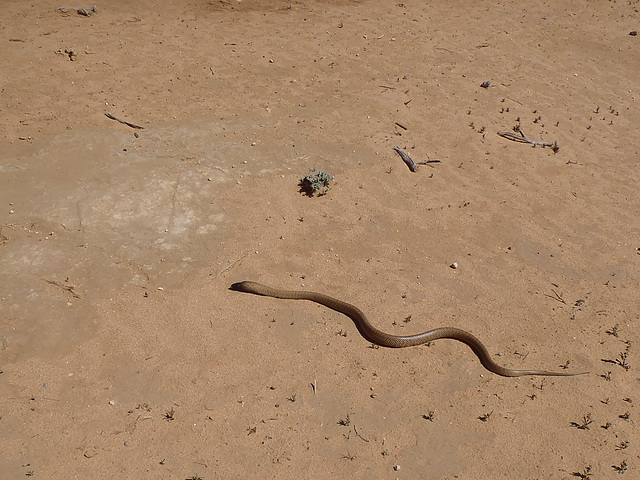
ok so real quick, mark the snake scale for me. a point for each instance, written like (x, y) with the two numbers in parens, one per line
(383, 339)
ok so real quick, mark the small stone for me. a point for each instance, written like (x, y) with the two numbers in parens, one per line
(396, 468)
(454, 265)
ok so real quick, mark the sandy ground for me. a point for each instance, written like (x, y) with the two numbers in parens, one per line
(124, 355)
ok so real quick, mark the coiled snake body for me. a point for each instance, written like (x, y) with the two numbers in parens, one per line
(378, 337)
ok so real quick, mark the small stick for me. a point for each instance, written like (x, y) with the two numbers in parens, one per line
(129, 124)
(356, 430)
(522, 138)
(385, 86)
(401, 126)
(228, 267)
(406, 159)
(66, 288)
(429, 162)
(555, 296)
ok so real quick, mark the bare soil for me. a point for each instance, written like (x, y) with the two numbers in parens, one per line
(124, 355)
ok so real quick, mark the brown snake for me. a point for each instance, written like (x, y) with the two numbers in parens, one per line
(378, 337)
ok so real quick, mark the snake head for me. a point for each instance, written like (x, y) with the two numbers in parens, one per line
(246, 287)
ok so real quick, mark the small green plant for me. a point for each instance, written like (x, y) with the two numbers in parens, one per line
(584, 425)
(622, 445)
(485, 416)
(621, 468)
(316, 183)
(170, 415)
(345, 422)
(585, 474)
(430, 416)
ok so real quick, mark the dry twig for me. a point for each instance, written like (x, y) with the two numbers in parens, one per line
(519, 136)
(129, 124)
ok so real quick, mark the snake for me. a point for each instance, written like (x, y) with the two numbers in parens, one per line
(378, 337)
